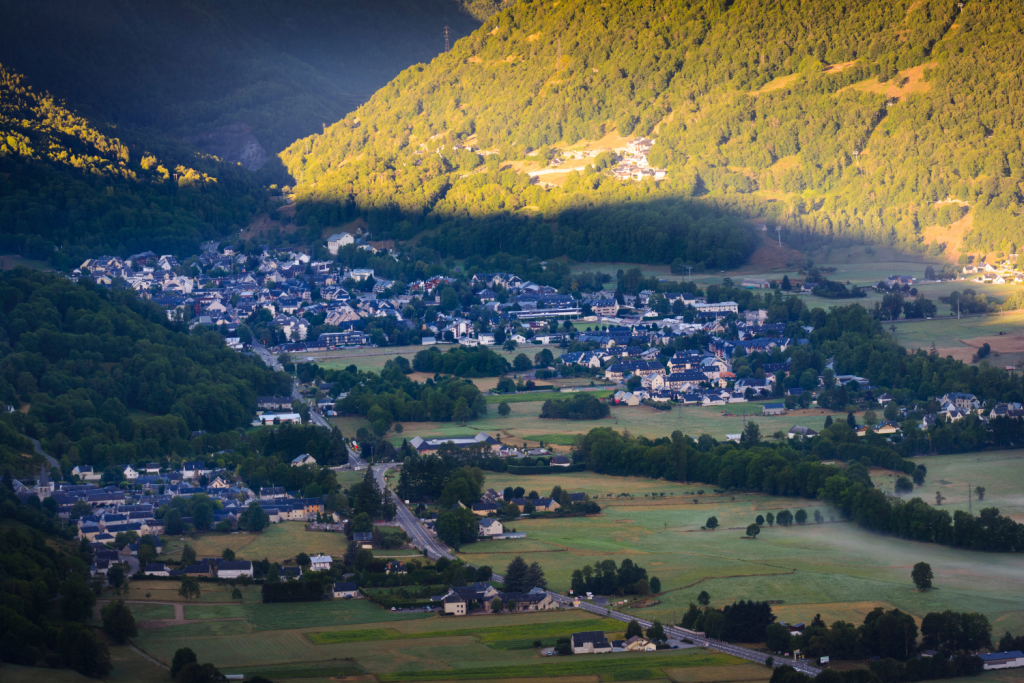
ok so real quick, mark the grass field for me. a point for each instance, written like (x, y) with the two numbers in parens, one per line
(149, 612)
(514, 630)
(524, 423)
(278, 542)
(1000, 472)
(834, 569)
(543, 396)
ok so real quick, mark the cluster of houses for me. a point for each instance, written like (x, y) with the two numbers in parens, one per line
(479, 598)
(633, 164)
(1001, 273)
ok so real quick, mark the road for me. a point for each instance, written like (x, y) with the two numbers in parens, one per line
(676, 632)
(39, 449)
(421, 538)
(271, 362)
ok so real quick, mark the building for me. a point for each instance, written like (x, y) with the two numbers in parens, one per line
(455, 604)
(289, 573)
(339, 240)
(304, 459)
(1002, 660)
(423, 445)
(320, 562)
(156, 569)
(491, 527)
(364, 539)
(232, 569)
(345, 589)
(797, 430)
(639, 644)
(590, 642)
(394, 567)
(755, 283)
(773, 409)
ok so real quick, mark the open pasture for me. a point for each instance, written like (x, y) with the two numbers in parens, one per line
(524, 423)
(278, 542)
(835, 569)
(1001, 473)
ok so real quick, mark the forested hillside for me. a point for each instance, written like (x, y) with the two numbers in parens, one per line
(281, 69)
(69, 189)
(836, 120)
(106, 378)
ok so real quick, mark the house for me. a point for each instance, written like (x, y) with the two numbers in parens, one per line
(272, 492)
(755, 283)
(339, 240)
(559, 461)
(232, 569)
(86, 473)
(1002, 660)
(773, 409)
(961, 401)
(394, 567)
(455, 604)
(129, 473)
(639, 644)
(321, 562)
(590, 642)
(536, 600)
(797, 430)
(886, 427)
(545, 505)
(199, 570)
(491, 527)
(345, 589)
(484, 509)
(304, 459)
(290, 573)
(364, 539)
(156, 569)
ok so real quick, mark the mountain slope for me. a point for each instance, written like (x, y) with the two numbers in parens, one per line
(69, 188)
(834, 119)
(188, 68)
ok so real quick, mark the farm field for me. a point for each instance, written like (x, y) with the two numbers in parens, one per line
(1000, 472)
(834, 569)
(279, 542)
(525, 424)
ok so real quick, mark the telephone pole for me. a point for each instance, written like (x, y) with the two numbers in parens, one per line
(970, 500)
(689, 272)
(447, 47)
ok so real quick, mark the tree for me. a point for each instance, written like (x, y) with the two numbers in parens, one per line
(979, 491)
(712, 522)
(200, 673)
(801, 516)
(188, 555)
(785, 518)
(704, 599)
(504, 409)
(633, 629)
(922, 576)
(182, 657)
(227, 554)
(770, 518)
(828, 421)
(534, 578)
(939, 498)
(786, 286)
(751, 434)
(115, 576)
(564, 646)
(302, 559)
(759, 520)
(753, 530)
(903, 485)
(777, 638)
(515, 575)
(118, 621)
(254, 518)
(656, 632)
(189, 588)
(655, 585)
(851, 420)
(496, 605)
(462, 411)
(236, 594)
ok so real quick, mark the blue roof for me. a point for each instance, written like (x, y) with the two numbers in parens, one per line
(995, 656)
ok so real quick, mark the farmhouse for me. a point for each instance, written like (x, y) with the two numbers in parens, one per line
(156, 569)
(233, 569)
(304, 459)
(773, 409)
(423, 445)
(1002, 660)
(590, 642)
(320, 562)
(345, 589)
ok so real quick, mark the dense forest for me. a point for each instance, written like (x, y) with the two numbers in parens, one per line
(281, 70)
(837, 121)
(70, 189)
(107, 378)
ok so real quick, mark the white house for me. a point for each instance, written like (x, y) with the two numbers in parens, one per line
(86, 473)
(304, 459)
(1002, 660)
(590, 642)
(345, 589)
(339, 240)
(233, 569)
(130, 474)
(491, 527)
(320, 562)
(156, 569)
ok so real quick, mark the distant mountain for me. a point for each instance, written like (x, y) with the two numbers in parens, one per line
(229, 75)
(70, 188)
(881, 121)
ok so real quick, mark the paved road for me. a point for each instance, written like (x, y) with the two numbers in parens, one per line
(39, 449)
(677, 632)
(271, 362)
(421, 538)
